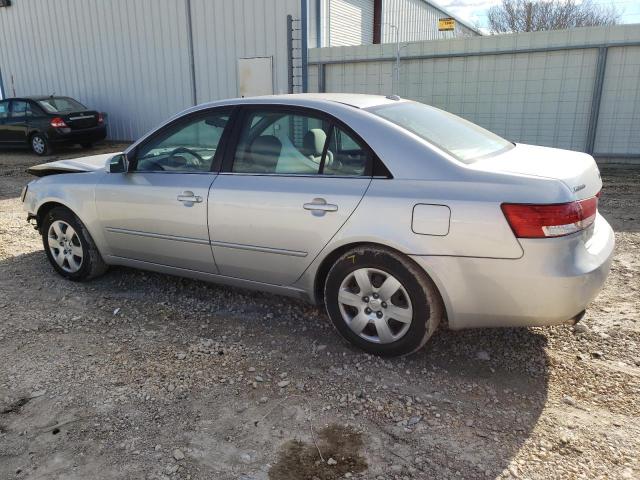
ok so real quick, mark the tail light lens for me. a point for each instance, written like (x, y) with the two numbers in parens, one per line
(553, 220)
(100, 118)
(58, 123)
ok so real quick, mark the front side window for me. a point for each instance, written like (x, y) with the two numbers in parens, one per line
(188, 146)
(4, 110)
(18, 109)
(465, 141)
(61, 105)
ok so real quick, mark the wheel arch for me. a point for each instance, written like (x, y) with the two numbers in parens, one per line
(325, 265)
(46, 207)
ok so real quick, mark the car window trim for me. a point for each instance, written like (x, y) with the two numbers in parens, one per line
(220, 150)
(245, 109)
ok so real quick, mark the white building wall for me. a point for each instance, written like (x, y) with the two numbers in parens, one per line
(225, 31)
(416, 20)
(350, 22)
(131, 58)
(125, 58)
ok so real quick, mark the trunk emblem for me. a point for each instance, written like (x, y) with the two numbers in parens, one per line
(577, 188)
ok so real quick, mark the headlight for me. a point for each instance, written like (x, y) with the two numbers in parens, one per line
(24, 193)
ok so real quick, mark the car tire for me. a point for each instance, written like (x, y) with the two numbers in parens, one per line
(86, 146)
(39, 145)
(69, 246)
(394, 314)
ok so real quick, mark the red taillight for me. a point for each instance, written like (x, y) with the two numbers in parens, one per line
(58, 123)
(554, 220)
(100, 118)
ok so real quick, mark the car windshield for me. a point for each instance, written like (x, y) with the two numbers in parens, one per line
(61, 104)
(465, 141)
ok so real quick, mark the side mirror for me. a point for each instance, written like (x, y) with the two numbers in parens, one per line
(119, 163)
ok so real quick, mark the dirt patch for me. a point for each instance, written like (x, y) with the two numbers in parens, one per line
(339, 446)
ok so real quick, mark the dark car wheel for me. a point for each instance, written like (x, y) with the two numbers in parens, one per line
(69, 246)
(40, 145)
(382, 302)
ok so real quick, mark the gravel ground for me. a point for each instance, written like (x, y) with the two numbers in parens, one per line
(143, 376)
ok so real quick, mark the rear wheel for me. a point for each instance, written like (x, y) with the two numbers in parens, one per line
(69, 246)
(40, 145)
(382, 302)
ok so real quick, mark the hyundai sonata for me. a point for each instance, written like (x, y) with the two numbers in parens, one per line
(394, 214)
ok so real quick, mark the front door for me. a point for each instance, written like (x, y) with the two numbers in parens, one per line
(4, 115)
(157, 212)
(15, 126)
(285, 190)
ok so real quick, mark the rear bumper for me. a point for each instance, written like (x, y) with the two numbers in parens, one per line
(550, 284)
(86, 135)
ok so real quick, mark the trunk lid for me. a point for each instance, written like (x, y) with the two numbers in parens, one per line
(75, 165)
(577, 170)
(81, 120)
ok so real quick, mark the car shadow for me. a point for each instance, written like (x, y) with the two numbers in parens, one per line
(479, 393)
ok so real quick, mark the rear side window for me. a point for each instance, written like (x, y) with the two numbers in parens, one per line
(345, 155)
(33, 110)
(281, 142)
(18, 109)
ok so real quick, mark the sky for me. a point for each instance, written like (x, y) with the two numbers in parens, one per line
(474, 11)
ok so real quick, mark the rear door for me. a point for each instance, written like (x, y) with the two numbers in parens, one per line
(157, 212)
(284, 191)
(15, 126)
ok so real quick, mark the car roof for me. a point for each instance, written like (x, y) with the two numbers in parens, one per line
(356, 100)
(36, 97)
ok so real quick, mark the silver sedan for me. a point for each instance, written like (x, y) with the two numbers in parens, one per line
(394, 214)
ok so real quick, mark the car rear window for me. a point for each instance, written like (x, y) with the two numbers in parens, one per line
(61, 104)
(465, 141)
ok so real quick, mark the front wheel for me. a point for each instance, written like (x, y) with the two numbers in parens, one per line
(69, 246)
(382, 302)
(40, 145)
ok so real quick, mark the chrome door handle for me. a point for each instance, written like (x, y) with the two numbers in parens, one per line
(319, 206)
(189, 197)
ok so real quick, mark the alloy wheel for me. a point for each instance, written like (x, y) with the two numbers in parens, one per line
(375, 305)
(38, 145)
(65, 246)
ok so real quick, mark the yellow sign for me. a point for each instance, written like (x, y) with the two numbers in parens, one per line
(446, 24)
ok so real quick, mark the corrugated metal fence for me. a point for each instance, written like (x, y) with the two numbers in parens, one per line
(577, 89)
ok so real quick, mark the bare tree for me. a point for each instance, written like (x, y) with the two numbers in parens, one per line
(536, 15)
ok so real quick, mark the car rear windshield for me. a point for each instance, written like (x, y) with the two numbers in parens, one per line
(61, 104)
(465, 141)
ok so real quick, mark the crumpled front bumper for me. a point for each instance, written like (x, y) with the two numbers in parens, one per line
(550, 284)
